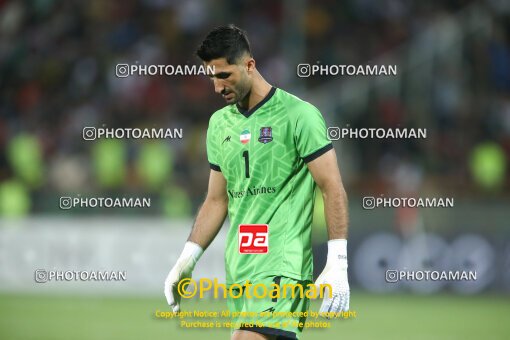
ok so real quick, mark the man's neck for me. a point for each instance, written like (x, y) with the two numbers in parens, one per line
(259, 91)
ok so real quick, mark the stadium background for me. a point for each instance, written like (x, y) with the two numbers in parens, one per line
(57, 76)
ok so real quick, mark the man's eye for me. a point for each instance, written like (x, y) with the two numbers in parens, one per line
(223, 75)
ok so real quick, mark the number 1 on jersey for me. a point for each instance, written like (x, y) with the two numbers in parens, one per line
(246, 157)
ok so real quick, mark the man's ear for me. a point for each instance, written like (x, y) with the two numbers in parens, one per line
(250, 65)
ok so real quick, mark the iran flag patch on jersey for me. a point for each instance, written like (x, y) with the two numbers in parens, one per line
(245, 136)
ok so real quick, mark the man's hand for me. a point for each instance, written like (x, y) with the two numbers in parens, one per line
(182, 270)
(335, 274)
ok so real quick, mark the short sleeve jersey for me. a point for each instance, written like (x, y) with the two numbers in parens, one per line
(262, 153)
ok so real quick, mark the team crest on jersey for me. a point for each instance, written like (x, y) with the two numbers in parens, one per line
(266, 135)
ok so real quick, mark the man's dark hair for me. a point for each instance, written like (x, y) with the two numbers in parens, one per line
(229, 42)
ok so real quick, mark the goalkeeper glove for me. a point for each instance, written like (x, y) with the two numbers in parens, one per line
(181, 270)
(335, 274)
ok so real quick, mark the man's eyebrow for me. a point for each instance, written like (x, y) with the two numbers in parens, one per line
(220, 75)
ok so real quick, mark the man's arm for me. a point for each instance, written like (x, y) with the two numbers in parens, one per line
(209, 220)
(212, 214)
(326, 174)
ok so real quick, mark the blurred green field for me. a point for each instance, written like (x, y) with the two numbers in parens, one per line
(378, 317)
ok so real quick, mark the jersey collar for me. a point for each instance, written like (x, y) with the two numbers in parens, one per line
(248, 113)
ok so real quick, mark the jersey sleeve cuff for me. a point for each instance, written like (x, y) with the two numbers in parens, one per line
(318, 153)
(215, 167)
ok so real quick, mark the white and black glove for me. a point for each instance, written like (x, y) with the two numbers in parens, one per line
(335, 274)
(181, 270)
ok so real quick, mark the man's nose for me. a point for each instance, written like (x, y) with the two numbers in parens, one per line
(218, 86)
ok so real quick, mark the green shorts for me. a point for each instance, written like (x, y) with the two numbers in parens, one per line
(264, 308)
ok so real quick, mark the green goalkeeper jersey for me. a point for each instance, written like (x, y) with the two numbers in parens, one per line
(262, 153)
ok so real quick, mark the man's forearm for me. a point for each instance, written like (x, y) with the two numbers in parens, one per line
(209, 220)
(335, 209)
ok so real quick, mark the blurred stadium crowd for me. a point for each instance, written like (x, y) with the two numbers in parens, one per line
(57, 76)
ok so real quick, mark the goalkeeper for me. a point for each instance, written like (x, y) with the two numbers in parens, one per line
(267, 150)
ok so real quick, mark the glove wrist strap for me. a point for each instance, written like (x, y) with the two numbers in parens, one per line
(337, 251)
(191, 250)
